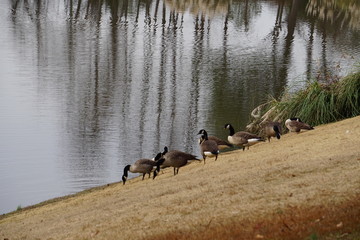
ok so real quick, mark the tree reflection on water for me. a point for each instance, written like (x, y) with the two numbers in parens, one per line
(345, 12)
(128, 77)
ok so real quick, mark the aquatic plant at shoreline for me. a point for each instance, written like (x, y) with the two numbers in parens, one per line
(318, 103)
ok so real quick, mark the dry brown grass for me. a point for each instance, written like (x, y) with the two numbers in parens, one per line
(303, 186)
(293, 222)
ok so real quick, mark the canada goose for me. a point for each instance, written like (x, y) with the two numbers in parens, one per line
(208, 147)
(295, 125)
(242, 139)
(221, 143)
(272, 129)
(176, 159)
(144, 166)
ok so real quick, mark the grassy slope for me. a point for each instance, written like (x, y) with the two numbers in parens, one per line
(304, 185)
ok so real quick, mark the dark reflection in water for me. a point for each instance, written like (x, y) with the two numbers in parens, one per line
(87, 87)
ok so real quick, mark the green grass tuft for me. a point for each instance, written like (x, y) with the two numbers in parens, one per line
(313, 236)
(318, 103)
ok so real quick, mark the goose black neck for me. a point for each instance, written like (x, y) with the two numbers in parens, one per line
(158, 156)
(232, 131)
(276, 129)
(125, 175)
(126, 170)
(205, 135)
(160, 162)
(202, 139)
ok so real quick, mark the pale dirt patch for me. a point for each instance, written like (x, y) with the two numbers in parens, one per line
(315, 168)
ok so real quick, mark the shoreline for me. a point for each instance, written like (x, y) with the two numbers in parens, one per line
(308, 173)
(57, 199)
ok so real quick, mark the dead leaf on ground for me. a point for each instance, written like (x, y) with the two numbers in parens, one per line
(339, 225)
(259, 236)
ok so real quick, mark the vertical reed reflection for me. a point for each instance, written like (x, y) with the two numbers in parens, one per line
(109, 67)
(291, 24)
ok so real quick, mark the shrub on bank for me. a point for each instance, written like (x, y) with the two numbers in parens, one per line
(318, 103)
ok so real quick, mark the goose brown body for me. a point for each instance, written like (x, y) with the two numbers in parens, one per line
(296, 125)
(222, 144)
(242, 139)
(272, 129)
(208, 147)
(144, 166)
(177, 159)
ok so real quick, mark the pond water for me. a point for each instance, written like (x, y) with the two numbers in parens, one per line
(87, 87)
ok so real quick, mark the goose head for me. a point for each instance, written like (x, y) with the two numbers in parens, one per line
(204, 135)
(295, 119)
(231, 129)
(165, 150)
(202, 139)
(125, 175)
(202, 131)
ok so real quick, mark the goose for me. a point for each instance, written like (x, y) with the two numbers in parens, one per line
(160, 155)
(295, 125)
(208, 147)
(242, 139)
(272, 129)
(176, 159)
(144, 166)
(221, 143)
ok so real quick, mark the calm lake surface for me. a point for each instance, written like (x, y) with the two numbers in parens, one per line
(87, 87)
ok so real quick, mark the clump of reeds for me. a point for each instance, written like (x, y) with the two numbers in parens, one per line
(349, 96)
(318, 103)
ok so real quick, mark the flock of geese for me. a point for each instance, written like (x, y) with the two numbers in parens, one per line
(210, 146)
